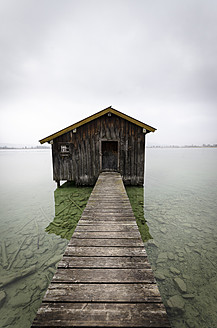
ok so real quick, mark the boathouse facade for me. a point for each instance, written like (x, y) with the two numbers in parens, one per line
(106, 141)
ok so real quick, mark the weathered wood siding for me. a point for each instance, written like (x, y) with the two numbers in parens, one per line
(83, 163)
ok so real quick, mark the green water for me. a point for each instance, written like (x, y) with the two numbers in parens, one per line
(181, 211)
(136, 197)
(70, 201)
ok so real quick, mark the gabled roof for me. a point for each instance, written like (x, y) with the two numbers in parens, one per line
(93, 117)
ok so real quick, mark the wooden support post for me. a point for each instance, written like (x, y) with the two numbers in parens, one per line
(58, 183)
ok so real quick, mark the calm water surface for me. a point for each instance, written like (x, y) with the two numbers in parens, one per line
(28, 254)
(181, 210)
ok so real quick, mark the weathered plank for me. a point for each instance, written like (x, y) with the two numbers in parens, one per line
(109, 218)
(105, 251)
(109, 201)
(98, 216)
(110, 206)
(104, 275)
(107, 223)
(106, 234)
(139, 293)
(94, 242)
(101, 315)
(109, 211)
(104, 262)
(107, 228)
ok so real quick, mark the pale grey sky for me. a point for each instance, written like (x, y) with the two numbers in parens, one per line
(63, 60)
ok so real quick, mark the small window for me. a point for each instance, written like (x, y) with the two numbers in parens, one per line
(64, 149)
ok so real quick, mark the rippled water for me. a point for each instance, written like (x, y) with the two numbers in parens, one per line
(181, 210)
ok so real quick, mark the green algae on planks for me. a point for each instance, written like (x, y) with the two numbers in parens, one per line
(136, 197)
(70, 202)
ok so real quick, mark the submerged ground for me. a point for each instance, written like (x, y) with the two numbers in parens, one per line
(70, 202)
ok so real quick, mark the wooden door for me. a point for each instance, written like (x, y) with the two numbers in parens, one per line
(109, 155)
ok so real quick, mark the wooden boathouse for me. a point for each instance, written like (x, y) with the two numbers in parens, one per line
(104, 278)
(106, 141)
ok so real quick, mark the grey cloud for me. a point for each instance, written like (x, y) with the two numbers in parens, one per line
(155, 57)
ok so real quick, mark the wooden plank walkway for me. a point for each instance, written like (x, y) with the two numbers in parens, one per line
(104, 278)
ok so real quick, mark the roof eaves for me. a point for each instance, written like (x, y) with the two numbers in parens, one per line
(93, 117)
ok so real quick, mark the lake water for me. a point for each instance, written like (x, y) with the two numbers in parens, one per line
(181, 211)
(28, 254)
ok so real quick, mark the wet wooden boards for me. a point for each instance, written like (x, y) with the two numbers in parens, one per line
(104, 278)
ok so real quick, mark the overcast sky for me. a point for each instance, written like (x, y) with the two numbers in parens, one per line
(63, 60)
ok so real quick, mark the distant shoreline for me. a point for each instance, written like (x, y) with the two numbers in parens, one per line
(161, 147)
(24, 148)
(205, 146)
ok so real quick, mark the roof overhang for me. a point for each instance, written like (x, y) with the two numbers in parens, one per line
(111, 110)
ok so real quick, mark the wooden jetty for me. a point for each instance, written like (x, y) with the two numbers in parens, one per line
(104, 278)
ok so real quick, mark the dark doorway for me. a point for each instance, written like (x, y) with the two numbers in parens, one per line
(109, 155)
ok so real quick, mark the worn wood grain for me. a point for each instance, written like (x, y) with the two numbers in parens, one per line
(109, 213)
(104, 262)
(141, 293)
(105, 251)
(101, 315)
(107, 228)
(107, 222)
(106, 234)
(114, 242)
(109, 218)
(104, 275)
